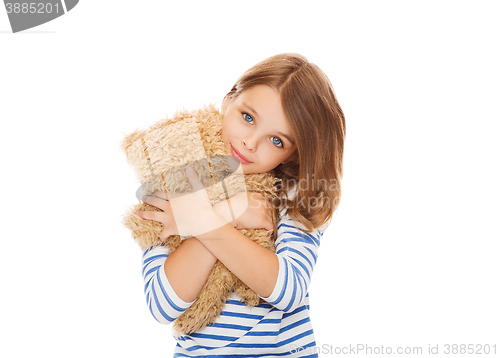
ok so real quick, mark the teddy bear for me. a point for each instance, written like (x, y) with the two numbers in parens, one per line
(159, 156)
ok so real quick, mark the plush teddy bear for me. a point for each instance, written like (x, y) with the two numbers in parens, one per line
(159, 156)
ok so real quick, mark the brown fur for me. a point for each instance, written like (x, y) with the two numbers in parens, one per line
(159, 156)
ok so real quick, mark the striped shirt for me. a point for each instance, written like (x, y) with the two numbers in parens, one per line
(279, 327)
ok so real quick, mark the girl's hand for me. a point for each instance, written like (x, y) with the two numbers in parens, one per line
(251, 211)
(166, 217)
(183, 214)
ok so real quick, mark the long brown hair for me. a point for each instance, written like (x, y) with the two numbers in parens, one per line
(318, 126)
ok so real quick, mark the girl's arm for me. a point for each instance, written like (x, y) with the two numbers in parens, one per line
(282, 279)
(188, 267)
(190, 264)
(173, 282)
(251, 263)
(162, 300)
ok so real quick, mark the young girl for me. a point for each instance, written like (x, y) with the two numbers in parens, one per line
(281, 114)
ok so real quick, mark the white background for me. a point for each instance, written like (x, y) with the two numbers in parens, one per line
(412, 257)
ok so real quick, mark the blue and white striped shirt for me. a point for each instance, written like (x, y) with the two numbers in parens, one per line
(280, 327)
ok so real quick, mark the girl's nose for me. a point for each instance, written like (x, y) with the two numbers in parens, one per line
(250, 144)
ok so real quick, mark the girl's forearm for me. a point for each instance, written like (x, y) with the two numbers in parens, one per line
(188, 267)
(254, 265)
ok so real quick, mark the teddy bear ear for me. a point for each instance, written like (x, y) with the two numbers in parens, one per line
(129, 140)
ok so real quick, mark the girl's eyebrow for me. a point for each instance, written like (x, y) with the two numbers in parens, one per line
(254, 112)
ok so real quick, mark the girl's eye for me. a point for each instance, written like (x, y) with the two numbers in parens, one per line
(276, 141)
(247, 118)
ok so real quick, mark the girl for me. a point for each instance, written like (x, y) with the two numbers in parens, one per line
(281, 114)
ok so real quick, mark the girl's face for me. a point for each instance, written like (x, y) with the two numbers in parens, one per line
(256, 131)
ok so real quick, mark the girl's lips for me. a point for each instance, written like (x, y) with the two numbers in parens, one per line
(238, 156)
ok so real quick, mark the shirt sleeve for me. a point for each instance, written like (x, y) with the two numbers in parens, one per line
(297, 252)
(162, 301)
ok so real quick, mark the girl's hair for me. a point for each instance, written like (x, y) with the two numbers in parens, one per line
(318, 127)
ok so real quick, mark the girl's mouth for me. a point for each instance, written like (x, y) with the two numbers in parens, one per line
(238, 156)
